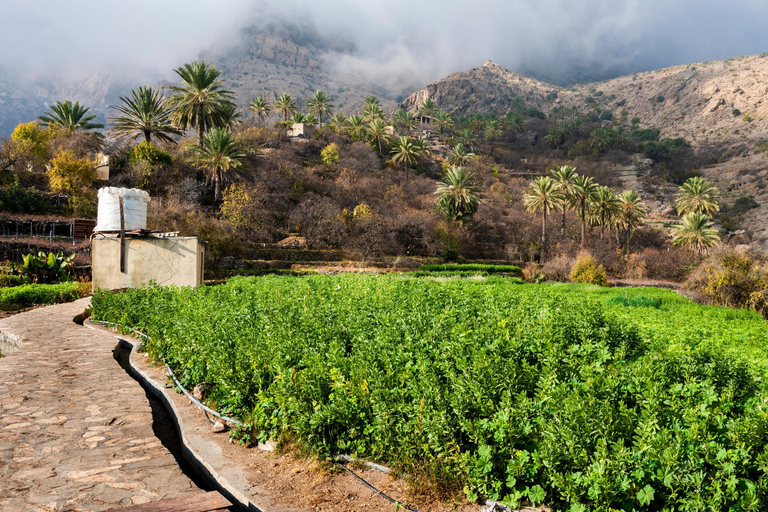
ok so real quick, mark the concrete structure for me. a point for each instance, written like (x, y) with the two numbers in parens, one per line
(302, 130)
(102, 167)
(172, 260)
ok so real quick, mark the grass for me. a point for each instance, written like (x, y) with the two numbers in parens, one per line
(582, 397)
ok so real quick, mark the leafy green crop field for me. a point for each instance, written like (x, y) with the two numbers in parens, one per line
(30, 294)
(581, 397)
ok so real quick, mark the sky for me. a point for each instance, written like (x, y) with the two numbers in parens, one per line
(415, 41)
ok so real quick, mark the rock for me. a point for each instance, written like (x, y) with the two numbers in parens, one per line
(269, 446)
(200, 391)
(219, 427)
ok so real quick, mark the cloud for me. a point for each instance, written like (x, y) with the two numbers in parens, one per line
(403, 43)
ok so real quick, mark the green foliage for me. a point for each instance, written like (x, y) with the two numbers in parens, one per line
(586, 270)
(17, 199)
(458, 198)
(491, 269)
(69, 117)
(69, 174)
(330, 154)
(736, 112)
(659, 99)
(520, 393)
(646, 134)
(32, 294)
(33, 141)
(606, 115)
(639, 301)
(45, 268)
(151, 154)
(143, 114)
(742, 205)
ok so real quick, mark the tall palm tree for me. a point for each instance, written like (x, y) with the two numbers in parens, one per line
(544, 195)
(69, 117)
(218, 153)
(631, 212)
(492, 131)
(356, 127)
(427, 108)
(697, 195)
(376, 133)
(372, 109)
(565, 175)
(261, 109)
(584, 192)
(144, 112)
(230, 115)
(606, 205)
(404, 120)
(554, 137)
(404, 151)
(202, 102)
(459, 155)
(467, 137)
(696, 233)
(601, 140)
(286, 105)
(338, 120)
(515, 122)
(442, 122)
(459, 198)
(320, 105)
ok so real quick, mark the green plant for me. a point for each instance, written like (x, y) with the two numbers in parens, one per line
(45, 268)
(586, 270)
(151, 154)
(33, 294)
(330, 154)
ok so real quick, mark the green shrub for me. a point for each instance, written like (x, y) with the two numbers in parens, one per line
(659, 99)
(736, 112)
(638, 301)
(467, 267)
(606, 115)
(151, 154)
(34, 294)
(44, 268)
(586, 270)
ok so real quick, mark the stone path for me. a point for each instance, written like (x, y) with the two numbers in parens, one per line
(75, 429)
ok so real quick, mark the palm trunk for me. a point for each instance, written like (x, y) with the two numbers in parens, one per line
(543, 235)
(147, 135)
(217, 186)
(200, 132)
(583, 221)
(562, 226)
(602, 225)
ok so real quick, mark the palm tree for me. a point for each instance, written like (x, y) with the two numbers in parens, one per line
(230, 115)
(492, 131)
(356, 127)
(372, 109)
(544, 195)
(565, 175)
(338, 120)
(584, 192)
(261, 109)
(427, 108)
(377, 135)
(442, 121)
(310, 119)
(297, 118)
(606, 206)
(620, 139)
(286, 105)
(696, 233)
(554, 137)
(697, 195)
(515, 122)
(404, 120)
(631, 212)
(459, 198)
(320, 105)
(460, 156)
(146, 113)
(218, 153)
(467, 137)
(405, 152)
(69, 117)
(202, 101)
(601, 140)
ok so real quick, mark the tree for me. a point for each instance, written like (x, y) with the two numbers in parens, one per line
(404, 152)
(70, 175)
(459, 156)
(286, 105)
(467, 137)
(260, 109)
(492, 131)
(459, 198)
(544, 195)
(696, 233)
(372, 109)
(554, 137)
(697, 195)
(515, 122)
(338, 121)
(144, 112)
(601, 139)
(69, 117)
(298, 118)
(28, 141)
(404, 120)
(565, 175)
(631, 212)
(320, 105)
(377, 134)
(356, 127)
(584, 192)
(428, 107)
(606, 206)
(442, 122)
(218, 153)
(201, 102)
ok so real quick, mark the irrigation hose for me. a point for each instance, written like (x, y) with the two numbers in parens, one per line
(378, 492)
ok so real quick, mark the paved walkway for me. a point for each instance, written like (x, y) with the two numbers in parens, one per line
(75, 429)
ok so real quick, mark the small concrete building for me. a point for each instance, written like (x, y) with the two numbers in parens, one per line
(302, 130)
(171, 260)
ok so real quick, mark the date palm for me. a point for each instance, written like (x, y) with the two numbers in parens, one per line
(492, 131)
(696, 233)
(544, 195)
(467, 137)
(286, 105)
(405, 151)
(217, 155)
(320, 105)
(605, 205)
(460, 156)
(404, 120)
(260, 109)
(427, 108)
(338, 120)
(201, 102)
(584, 192)
(459, 198)
(372, 109)
(600, 140)
(515, 122)
(442, 121)
(69, 117)
(356, 127)
(697, 195)
(377, 134)
(144, 112)
(565, 175)
(630, 214)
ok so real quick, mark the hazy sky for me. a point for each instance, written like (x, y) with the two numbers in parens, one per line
(413, 39)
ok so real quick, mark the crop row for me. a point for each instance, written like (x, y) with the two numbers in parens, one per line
(525, 393)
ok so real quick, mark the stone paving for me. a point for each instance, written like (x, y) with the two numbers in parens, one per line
(75, 429)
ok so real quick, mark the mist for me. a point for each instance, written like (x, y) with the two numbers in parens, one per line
(402, 43)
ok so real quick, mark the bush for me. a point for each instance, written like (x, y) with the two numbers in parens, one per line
(45, 268)
(606, 115)
(729, 277)
(587, 271)
(491, 269)
(736, 112)
(659, 99)
(151, 154)
(34, 294)
(558, 269)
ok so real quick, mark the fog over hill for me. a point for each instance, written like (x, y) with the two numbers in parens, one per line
(93, 50)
